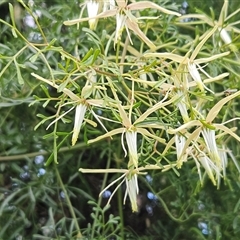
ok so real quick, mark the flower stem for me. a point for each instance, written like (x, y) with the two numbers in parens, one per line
(69, 204)
(42, 152)
(103, 186)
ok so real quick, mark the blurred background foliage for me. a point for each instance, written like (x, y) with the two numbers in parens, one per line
(53, 202)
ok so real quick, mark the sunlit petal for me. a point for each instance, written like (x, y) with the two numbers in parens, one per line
(135, 28)
(192, 68)
(108, 134)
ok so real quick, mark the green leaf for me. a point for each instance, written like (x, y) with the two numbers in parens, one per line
(88, 55)
(11, 10)
(45, 90)
(19, 76)
(95, 55)
(51, 157)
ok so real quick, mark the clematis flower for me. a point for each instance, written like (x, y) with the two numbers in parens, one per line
(215, 171)
(129, 176)
(92, 9)
(130, 179)
(191, 64)
(214, 163)
(131, 138)
(124, 18)
(80, 108)
(210, 140)
(131, 129)
(180, 142)
(132, 191)
(212, 170)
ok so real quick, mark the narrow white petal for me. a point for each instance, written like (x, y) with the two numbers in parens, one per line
(210, 140)
(225, 36)
(182, 106)
(92, 8)
(132, 191)
(131, 138)
(207, 164)
(79, 116)
(180, 143)
(195, 75)
(120, 21)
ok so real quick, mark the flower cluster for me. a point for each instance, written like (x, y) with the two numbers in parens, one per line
(147, 96)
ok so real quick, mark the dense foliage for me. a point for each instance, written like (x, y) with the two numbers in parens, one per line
(141, 108)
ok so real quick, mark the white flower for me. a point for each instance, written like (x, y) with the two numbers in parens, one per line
(225, 36)
(210, 140)
(180, 141)
(192, 68)
(210, 167)
(92, 9)
(130, 178)
(79, 116)
(120, 21)
(132, 191)
(131, 138)
(108, 5)
(182, 106)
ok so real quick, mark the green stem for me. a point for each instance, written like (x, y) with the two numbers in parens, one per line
(42, 152)
(117, 51)
(103, 186)
(120, 206)
(35, 19)
(69, 204)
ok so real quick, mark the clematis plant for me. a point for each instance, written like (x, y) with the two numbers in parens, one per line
(125, 18)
